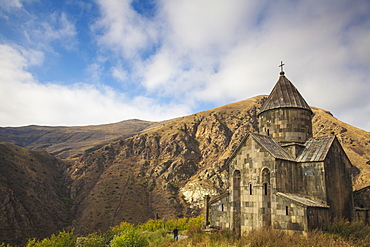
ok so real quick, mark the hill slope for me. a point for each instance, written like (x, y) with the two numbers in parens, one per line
(72, 142)
(33, 202)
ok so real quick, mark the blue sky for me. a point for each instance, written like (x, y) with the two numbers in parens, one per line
(70, 62)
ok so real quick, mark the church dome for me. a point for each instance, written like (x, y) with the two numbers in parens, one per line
(284, 95)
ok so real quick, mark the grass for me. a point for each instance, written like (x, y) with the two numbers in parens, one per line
(158, 233)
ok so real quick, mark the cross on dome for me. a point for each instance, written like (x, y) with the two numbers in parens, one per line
(281, 68)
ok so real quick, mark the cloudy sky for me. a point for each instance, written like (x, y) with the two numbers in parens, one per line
(71, 62)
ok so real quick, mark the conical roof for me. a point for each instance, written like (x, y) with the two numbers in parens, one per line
(284, 95)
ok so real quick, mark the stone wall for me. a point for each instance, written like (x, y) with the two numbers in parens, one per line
(289, 215)
(286, 124)
(257, 184)
(338, 183)
(220, 213)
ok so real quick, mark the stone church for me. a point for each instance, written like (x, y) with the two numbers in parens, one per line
(283, 177)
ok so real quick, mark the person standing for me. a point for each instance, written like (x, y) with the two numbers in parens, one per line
(176, 233)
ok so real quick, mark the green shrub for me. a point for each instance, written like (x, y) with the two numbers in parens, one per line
(91, 240)
(152, 225)
(121, 228)
(179, 223)
(5, 245)
(158, 238)
(63, 239)
(195, 221)
(131, 238)
(183, 223)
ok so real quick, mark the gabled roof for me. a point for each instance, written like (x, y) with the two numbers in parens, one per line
(302, 200)
(219, 197)
(267, 143)
(272, 147)
(284, 95)
(316, 149)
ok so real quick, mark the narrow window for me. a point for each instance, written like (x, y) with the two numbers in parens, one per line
(286, 210)
(250, 189)
(268, 132)
(222, 207)
(265, 188)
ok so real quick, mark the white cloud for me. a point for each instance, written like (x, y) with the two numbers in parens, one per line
(205, 24)
(124, 30)
(9, 4)
(119, 73)
(56, 27)
(94, 72)
(25, 101)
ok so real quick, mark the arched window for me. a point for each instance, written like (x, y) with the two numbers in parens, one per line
(265, 180)
(268, 132)
(266, 175)
(286, 210)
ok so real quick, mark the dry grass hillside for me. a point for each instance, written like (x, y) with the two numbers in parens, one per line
(33, 199)
(72, 142)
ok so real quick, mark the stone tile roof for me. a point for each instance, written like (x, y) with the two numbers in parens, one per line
(302, 200)
(272, 147)
(215, 199)
(284, 95)
(316, 149)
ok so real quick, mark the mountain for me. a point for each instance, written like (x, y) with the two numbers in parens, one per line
(33, 200)
(164, 169)
(72, 142)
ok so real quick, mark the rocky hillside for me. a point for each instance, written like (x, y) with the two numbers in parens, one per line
(165, 170)
(72, 142)
(33, 200)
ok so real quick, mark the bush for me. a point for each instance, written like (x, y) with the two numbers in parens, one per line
(194, 230)
(131, 238)
(348, 229)
(355, 231)
(183, 223)
(63, 239)
(91, 240)
(158, 238)
(195, 221)
(5, 245)
(152, 225)
(121, 228)
(179, 223)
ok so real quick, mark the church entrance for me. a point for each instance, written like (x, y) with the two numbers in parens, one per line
(236, 202)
